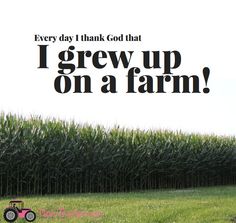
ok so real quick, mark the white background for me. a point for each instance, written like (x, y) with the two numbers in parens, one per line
(202, 31)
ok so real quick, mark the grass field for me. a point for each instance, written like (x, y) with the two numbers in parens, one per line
(201, 205)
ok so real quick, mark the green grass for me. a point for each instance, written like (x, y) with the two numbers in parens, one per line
(201, 205)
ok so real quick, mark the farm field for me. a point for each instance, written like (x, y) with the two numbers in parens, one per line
(200, 205)
(57, 157)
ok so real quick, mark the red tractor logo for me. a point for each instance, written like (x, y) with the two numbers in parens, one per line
(16, 209)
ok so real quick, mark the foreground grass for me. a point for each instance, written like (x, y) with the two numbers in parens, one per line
(201, 205)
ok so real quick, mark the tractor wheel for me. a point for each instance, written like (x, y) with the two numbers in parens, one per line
(10, 215)
(30, 216)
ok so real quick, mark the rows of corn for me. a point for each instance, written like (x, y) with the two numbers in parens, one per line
(40, 156)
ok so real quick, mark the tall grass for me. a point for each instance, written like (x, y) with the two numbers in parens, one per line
(48, 156)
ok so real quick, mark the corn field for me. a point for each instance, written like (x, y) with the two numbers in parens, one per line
(40, 156)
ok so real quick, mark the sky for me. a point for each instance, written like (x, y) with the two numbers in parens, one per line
(202, 31)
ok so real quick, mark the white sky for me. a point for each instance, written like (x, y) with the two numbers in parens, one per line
(202, 31)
